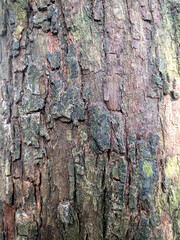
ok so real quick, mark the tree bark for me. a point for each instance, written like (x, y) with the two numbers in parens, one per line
(89, 119)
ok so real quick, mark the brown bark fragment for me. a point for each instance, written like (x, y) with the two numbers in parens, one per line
(9, 214)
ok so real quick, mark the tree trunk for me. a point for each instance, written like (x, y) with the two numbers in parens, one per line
(89, 119)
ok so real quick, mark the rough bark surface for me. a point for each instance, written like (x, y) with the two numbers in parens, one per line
(89, 119)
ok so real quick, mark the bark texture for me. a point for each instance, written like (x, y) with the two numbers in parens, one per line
(89, 119)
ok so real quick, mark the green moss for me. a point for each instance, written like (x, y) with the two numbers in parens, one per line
(147, 169)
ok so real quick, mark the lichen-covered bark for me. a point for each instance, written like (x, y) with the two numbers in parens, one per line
(89, 120)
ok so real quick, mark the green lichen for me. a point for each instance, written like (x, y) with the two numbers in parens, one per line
(145, 174)
(89, 45)
(172, 173)
(81, 27)
(20, 10)
(161, 203)
(172, 168)
(168, 50)
(147, 169)
(174, 197)
(171, 200)
(84, 135)
(168, 44)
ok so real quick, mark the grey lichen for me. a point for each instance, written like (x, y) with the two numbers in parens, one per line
(100, 126)
(66, 214)
(54, 59)
(69, 106)
(30, 128)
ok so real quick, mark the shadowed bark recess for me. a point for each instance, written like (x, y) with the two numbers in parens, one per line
(89, 120)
